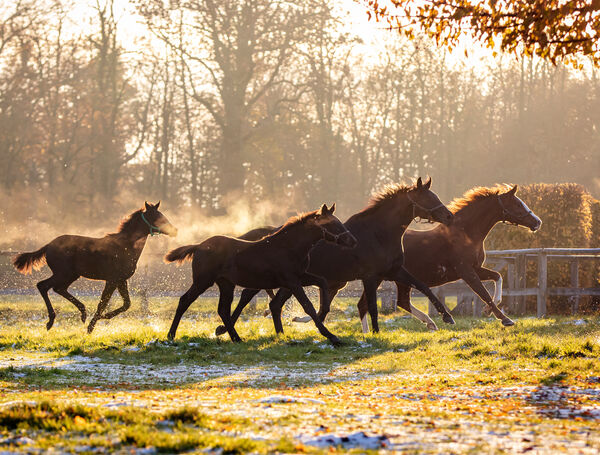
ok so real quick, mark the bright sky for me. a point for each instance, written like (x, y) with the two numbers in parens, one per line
(372, 33)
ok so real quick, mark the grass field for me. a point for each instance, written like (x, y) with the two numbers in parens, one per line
(471, 388)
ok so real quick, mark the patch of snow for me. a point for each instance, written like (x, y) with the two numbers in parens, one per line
(358, 440)
(288, 399)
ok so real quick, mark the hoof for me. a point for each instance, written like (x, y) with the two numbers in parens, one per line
(448, 319)
(335, 341)
(508, 322)
(90, 328)
(170, 336)
(220, 330)
(432, 327)
(302, 319)
(83, 317)
(49, 324)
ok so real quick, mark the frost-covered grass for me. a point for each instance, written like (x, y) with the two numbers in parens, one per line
(475, 386)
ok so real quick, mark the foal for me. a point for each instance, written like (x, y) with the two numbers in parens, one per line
(449, 253)
(278, 260)
(112, 258)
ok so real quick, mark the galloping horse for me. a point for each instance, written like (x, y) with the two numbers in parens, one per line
(449, 253)
(112, 258)
(278, 260)
(378, 229)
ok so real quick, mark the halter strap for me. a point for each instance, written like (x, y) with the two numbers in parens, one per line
(152, 228)
(428, 210)
(505, 212)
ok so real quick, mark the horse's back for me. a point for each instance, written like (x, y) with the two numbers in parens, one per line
(96, 258)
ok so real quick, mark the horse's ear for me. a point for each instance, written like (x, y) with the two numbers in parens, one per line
(157, 204)
(322, 210)
(513, 190)
(419, 183)
(148, 206)
(332, 208)
(428, 184)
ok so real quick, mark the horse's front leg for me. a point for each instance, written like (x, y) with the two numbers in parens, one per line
(326, 295)
(470, 276)
(404, 276)
(109, 288)
(310, 310)
(245, 298)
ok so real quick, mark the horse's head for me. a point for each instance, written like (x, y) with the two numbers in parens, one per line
(515, 211)
(156, 221)
(427, 205)
(333, 229)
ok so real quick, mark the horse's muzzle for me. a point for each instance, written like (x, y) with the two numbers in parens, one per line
(537, 226)
(171, 231)
(445, 217)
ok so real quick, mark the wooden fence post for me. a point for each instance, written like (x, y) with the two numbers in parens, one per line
(521, 283)
(542, 284)
(575, 284)
(511, 282)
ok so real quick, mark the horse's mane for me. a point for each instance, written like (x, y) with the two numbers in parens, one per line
(386, 194)
(128, 222)
(476, 194)
(301, 218)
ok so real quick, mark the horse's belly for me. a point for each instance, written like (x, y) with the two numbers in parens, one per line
(252, 278)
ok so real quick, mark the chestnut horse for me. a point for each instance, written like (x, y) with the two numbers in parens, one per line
(112, 258)
(449, 253)
(379, 229)
(278, 260)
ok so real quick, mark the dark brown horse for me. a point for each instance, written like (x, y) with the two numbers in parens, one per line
(449, 253)
(278, 260)
(112, 258)
(378, 229)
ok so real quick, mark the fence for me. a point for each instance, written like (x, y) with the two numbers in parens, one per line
(515, 291)
(157, 278)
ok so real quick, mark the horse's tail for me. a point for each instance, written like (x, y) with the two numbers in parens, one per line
(181, 254)
(25, 262)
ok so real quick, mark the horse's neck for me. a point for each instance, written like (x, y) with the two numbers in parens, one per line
(478, 219)
(135, 237)
(389, 224)
(299, 238)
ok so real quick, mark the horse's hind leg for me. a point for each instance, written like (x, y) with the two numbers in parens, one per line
(184, 303)
(362, 312)
(122, 288)
(245, 298)
(276, 305)
(44, 286)
(62, 289)
(109, 288)
(370, 292)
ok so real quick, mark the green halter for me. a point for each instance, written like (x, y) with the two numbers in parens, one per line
(152, 228)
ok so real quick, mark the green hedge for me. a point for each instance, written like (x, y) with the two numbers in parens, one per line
(570, 219)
